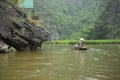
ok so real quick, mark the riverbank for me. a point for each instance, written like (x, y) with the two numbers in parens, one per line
(87, 42)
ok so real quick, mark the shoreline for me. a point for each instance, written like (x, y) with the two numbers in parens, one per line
(86, 42)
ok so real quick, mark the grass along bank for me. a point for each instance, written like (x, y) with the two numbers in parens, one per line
(86, 41)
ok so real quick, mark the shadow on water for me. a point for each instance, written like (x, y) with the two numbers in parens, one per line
(4, 58)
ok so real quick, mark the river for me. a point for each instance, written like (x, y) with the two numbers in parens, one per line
(62, 62)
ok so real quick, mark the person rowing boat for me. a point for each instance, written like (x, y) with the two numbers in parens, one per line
(81, 45)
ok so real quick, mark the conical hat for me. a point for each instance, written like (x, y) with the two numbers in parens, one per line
(82, 39)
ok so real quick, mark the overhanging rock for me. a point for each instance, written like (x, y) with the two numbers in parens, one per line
(17, 31)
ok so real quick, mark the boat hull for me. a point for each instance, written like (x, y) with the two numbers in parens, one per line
(79, 48)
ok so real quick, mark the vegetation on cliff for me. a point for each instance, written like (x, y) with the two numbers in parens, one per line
(69, 19)
(107, 26)
(72, 19)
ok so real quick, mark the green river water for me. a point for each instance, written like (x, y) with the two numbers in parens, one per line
(62, 62)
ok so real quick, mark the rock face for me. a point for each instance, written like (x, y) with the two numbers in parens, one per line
(108, 24)
(17, 31)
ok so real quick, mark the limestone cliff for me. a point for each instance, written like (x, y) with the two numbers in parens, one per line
(108, 24)
(17, 31)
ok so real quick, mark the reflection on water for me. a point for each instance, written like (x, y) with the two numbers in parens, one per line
(62, 62)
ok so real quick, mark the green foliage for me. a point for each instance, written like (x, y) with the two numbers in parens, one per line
(108, 26)
(73, 19)
(69, 18)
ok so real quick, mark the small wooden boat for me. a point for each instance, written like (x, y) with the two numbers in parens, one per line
(79, 48)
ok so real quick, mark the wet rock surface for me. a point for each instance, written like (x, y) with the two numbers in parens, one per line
(4, 48)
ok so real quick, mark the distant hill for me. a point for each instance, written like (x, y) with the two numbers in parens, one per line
(72, 19)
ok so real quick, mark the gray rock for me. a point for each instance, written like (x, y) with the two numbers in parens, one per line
(3, 47)
(17, 31)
